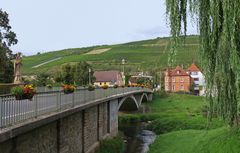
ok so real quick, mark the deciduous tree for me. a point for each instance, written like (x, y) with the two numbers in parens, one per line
(7, 38)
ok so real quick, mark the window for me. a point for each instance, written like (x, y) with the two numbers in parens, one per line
(173, 88)
(181, 87)
(166, 79)
(182, 79)
(178, 72)
(194, 73)
(173, 79)
(167, 88)
(100, 83)
(196, 79)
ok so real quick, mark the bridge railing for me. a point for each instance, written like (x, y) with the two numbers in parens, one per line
(13, 111)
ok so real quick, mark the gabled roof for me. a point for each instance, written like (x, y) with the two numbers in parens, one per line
(107, 76)
(178, 71)
(193, 68)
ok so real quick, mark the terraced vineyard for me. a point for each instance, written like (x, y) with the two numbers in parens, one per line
(147, 55)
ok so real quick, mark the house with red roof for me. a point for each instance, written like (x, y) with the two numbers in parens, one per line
(177, 80)
(109, 78)
(180, 80)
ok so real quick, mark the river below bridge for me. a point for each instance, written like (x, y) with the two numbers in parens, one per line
(137, 138)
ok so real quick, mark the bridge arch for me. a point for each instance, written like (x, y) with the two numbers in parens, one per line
(128, 103)
(144, 98)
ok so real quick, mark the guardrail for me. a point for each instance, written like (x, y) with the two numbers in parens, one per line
(13, 111)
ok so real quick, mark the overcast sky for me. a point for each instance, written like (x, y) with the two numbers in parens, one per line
(47, 25)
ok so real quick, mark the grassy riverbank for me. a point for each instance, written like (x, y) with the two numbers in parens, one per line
(182, 127)
(115, 145)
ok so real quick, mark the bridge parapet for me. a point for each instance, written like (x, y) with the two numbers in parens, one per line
(58, 123)
(15, 111)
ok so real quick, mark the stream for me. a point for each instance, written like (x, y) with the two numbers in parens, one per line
(136, 137)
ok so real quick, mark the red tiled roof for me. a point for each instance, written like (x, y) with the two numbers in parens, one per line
(107, 76)
(178, 71)
(193, 68)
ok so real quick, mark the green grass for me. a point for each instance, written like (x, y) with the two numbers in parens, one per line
(221, 140)
(182, 126)
(115, 145)
(142, 55)
(174, 112)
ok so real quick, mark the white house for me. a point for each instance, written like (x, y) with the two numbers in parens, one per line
(199, 79)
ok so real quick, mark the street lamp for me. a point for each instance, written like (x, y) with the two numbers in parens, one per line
(123, 62)
(89, 76)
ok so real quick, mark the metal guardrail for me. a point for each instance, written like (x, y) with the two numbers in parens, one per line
(13, 111)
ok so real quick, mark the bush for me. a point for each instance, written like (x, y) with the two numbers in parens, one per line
(91, 87)
(49, 86)
(17, 91)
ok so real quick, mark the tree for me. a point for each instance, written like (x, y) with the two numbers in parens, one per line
(75, 74)
(7, 38)
(219, 27)
(68, 74)
(43, 79)
(81, 75)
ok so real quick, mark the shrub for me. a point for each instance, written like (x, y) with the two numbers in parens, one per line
(91, 87)
(17, 91)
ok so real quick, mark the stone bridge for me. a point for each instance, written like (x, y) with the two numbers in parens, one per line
(55, 122)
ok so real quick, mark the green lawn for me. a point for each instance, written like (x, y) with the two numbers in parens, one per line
(220, 140)
(142, 55)
(182, 126)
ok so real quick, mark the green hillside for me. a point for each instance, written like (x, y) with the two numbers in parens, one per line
(147, 55)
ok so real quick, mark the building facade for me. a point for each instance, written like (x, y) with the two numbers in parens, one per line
(109, 78)
(199, 80)
(177, 80)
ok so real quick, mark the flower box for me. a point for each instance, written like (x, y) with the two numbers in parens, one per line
(25, 92)
(68, 89)
(105, 86)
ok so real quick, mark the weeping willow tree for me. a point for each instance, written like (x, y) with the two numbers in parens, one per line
(219, 27)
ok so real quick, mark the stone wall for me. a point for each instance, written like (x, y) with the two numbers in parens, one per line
(77, 133)
(70, 131)
(103, 120)
(113, 117)
(77, 130)
(90, 134)
(41, 140)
